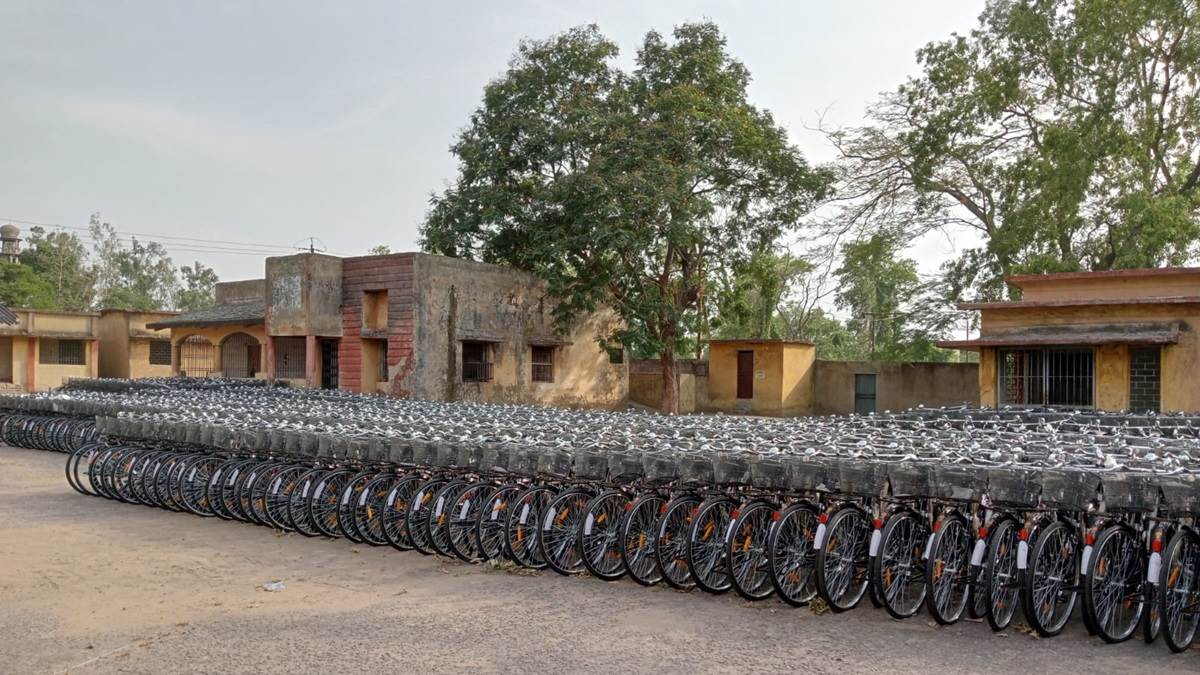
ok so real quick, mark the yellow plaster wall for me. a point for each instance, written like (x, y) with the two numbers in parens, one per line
(1117, 287)
(1112, 377)
(798, 379)
(112, 329)
(768, 378)
(987, 377)
(139, 365)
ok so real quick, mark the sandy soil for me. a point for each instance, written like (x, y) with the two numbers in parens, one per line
(89, 585)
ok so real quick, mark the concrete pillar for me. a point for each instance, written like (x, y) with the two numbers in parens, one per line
(31, 359)
(312, 377)
(94, 358)
(270, 358)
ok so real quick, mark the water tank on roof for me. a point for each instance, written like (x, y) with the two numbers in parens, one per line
(10, 242)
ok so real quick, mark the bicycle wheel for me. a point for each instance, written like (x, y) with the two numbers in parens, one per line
(671, 541)
(948, 569)
(637, 539)
(707, 560)
(394, 520)
(522, 531)
(195, 489)
(1152, 614)
(792, 556)
(897, 572)
(348, 503)
(600, 536)
(368, 510)
(279, 495)
(489, 526)
(464, 520)
(418, 515)
(1002, 578)
(747, 552)
(259, 490)
(297, 510)
(843, 557)
(439, 517)
(1112, 584)
(1049, 588)
(560, 526)
(977, 603)
(1179, 592)
(325, 499)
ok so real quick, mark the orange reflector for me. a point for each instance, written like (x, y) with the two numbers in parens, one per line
(1023, 534)
(878, 523)
(1156, 546)
(983, 532)
(823, 518)
(777, 515)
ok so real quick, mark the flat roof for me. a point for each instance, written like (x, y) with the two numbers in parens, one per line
(1078, 335)
(1092, 302)
(755, 341)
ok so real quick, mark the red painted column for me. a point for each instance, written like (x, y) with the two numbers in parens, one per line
(31, 359)
(312, 378)
(270, 358)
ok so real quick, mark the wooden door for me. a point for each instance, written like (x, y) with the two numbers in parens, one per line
(745, 374)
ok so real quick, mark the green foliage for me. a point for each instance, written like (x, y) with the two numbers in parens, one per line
(1062, 134)
(749, 296)
(60, 259)
(134, 277)
(380, 249)
(627, 189)
(888, 314)
(20, 286)
(198, 287)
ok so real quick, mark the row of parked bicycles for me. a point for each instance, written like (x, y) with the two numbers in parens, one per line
(997, 515)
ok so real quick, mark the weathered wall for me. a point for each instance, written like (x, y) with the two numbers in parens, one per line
(112, 329)
(6, 358)
(1112, 377)
(897, 385)
(798, 379)
(646, 383)
(988, 377)
(139, 361)
(304, 295)
(240, 291)
(394, 274)
(769, 398)
(457, 300)
(1180, 362)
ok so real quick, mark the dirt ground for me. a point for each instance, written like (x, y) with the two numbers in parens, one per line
(89, 585)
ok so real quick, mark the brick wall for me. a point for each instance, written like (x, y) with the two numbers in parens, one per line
(1145, 379)
(393, 273)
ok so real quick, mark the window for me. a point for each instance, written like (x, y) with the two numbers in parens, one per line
(1145, 379)
(476, 362)
(543, 364)
(54, 352)
(616, 355)
(375, 310)
(864, 394)
(289, 358)
(1057, 377)
(160, 352)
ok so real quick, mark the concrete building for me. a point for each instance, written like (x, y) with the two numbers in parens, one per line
(43, 349)
(781, 378)
(1117, 340)
(129, 349)
(405, 324)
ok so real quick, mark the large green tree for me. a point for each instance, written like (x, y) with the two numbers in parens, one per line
(749, 295)
(20, 286)
(197, 287)
(1059, 134)
(623, 189)
(61, 260)
(134, 276)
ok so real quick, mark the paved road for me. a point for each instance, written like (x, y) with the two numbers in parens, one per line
(88, 585)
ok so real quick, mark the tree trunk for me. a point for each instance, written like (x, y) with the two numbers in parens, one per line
(670, 384)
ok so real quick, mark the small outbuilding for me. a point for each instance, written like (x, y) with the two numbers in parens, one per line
(761, 377)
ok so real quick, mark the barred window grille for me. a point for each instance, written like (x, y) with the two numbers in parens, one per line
(543, 364)
(1054, 377)
(240, 354)
(476, 362)
(160, 352)
(197, 357)
(53, 352)
(289, 358)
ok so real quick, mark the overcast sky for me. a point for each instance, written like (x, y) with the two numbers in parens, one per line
(273, 122)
